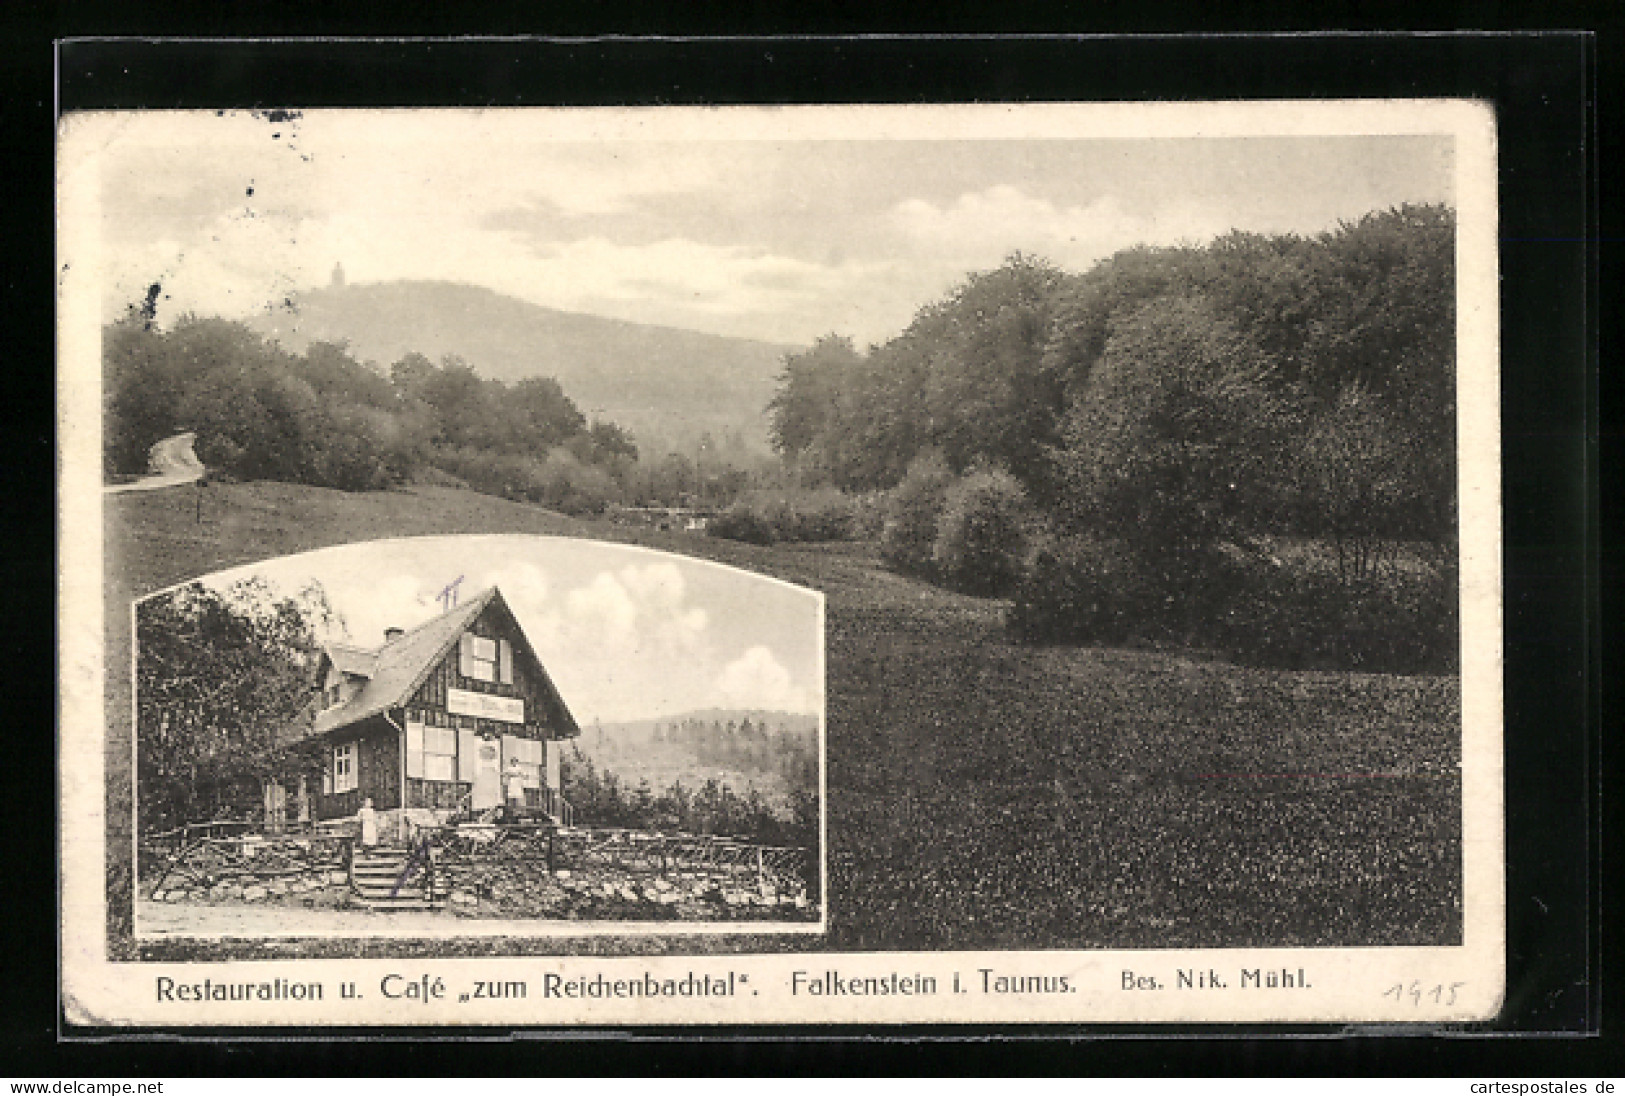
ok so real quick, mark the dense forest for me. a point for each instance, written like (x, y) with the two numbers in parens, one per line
(706, 772)
(1247, 445)
(786, 752)
(321, 417)
(711, 806)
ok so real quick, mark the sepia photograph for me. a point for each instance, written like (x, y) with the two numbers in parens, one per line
(563, 734)
(907, 564)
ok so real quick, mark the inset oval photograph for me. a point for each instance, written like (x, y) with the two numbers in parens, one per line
(479, 735)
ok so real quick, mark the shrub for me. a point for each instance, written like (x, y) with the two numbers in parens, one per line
(982, 533)
(868, 514)
(430, 476)
(564, 483)
(909, 534)
(489, 472)
(355, 450)
(740, 522)
(1081, 589)
(1293, 616)
(811, 515)
(786, 515)
(1397, 621)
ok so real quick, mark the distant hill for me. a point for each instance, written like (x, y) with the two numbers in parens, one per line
(639, 730)
(663, 383)
(770, 752)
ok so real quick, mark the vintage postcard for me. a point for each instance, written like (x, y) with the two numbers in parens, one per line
(980, 564)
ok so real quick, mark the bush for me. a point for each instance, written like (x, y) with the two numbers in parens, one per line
(491, 473)
(868, 514)
(909, 535)
(1397, 621)
(1083, 590)
(564, 483)
(982, 534)
(811, 515)
(1294, 616)
(740, 522)
(763, 517)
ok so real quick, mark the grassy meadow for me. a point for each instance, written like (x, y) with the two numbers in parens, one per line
(982, 793)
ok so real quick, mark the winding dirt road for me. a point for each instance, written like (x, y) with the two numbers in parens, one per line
(171, 462)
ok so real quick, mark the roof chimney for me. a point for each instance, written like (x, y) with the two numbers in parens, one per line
(392, 634)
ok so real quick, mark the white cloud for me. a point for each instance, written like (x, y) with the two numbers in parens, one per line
(524, 586)
(637, 611)
(602, 615)
(398, 601)
(756, 679)
(610, 183)
(981, 227)
(677, 275)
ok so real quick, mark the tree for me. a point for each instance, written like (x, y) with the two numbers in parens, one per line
(809, 388)
(1169, 444)
(463, 413)
(220, 681)
(1356, 478)
(913, 508)
(982, 533)
(987, 398)
(1086, 306)
(611, 444)
(966, 377)
(141, 390)
(552, 417)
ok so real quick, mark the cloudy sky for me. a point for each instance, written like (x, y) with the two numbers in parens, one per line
(625, 633)
(773, 224)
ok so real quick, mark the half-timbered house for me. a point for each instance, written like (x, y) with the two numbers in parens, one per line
(431, 720)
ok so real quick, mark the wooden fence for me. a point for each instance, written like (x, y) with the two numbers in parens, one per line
(194, 859)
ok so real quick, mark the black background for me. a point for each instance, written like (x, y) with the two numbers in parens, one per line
(1552, 139)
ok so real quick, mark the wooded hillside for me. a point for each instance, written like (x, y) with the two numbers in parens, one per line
(1149, 449)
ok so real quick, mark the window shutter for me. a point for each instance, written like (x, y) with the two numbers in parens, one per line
(414, 749)
(551, 762)
(465, 654)
(505, 667)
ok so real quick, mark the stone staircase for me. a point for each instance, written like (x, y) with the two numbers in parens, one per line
(384, 878)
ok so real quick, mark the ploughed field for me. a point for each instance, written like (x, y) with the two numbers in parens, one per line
(983, 793)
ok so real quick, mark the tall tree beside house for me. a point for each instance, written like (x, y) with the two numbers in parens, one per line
(220, 678)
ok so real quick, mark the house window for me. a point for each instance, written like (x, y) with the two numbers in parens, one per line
(331, 696)
(486, 659)
(344, 768)
(431, 752)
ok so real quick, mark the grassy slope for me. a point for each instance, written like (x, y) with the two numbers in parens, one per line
(984, 794)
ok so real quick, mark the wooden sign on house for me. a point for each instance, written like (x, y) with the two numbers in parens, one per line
(434, 718)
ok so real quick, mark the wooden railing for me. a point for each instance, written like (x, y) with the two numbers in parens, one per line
(182, 836)
(201, 859)
(557, 807)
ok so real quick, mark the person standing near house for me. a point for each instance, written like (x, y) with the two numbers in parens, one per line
(514, 786)
(369, 823)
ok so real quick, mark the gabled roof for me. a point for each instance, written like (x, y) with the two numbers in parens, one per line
(355, 661)
(399, 666)
(396, 670)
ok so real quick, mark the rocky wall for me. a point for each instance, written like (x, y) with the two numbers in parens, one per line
(526, 888)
